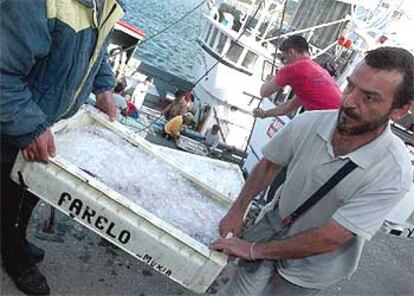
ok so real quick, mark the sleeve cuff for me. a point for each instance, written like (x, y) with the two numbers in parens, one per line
(22, 141)
(352, 227)
(102, 89)
(273, 156)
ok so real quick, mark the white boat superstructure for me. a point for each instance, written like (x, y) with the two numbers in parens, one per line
(236, 56)
(371, 25)
(237, 65)
(237, 49)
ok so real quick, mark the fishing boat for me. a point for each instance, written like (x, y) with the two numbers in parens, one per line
(238, 46)
(237, 54)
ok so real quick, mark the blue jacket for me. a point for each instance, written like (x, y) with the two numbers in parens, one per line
(51, 59)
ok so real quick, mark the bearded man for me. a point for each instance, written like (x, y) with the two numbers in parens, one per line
(321, 245)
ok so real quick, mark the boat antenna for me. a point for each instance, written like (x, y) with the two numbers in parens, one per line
(155, 34)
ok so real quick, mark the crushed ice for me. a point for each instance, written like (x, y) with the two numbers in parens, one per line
(226, 180)
(144, 179)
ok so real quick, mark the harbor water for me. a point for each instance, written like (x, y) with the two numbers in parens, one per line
(174, 50)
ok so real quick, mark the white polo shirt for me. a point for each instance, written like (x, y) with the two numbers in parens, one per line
(360, 202)
(138, 96)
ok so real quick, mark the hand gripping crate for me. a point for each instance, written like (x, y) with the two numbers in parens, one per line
(112, 216)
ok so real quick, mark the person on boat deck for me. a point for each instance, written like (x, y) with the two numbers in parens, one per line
(194, 106)
(323, 245)
(177, 107)
(212, 137)
(173, 127)
(52, 57)
(138, 96)
(313, 86)
(119, 101)
(191, 106)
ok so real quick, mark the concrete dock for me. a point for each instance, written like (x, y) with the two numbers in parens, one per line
(79, 262)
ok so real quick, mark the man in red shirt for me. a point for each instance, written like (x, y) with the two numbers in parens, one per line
(312, 85)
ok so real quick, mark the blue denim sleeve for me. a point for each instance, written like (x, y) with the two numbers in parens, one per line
(104, 79)
(25, 38)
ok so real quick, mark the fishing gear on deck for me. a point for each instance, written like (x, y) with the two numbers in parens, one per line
(151, 123)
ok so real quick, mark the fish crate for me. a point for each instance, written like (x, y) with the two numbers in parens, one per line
(192, 146)
(140, 226)
(226, 177)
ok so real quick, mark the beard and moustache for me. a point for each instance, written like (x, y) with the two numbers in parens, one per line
(364, 127)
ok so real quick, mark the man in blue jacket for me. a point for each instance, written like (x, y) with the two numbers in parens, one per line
(52, 57)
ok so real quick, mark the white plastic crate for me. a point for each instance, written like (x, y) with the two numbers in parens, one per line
(114, 217)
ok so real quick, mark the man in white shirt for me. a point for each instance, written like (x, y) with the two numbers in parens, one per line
(212, 137)
(138, 96)
(324, 245)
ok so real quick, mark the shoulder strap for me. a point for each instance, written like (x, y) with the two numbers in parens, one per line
(320, 193)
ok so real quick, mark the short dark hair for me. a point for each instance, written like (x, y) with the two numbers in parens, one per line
(395, 58)
(179, 93)
(295, 42)
(149, 78)
(119, 88)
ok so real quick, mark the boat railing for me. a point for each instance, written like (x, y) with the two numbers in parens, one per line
(310, 29)
(226, 46)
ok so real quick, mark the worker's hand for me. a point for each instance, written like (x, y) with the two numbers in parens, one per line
(269, 78)
(234, 247)
(40, 148)
(105, 103)
(232, 222)
(259, 113)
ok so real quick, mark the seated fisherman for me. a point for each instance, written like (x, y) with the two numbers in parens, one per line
(177, 107)
(173, 127)
(212, 137)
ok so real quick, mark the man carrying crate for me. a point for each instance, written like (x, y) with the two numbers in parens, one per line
(343, 178)
(52, 57)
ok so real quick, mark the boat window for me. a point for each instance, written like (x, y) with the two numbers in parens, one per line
(221, 43)
(208, 34)
(267, 70)
(234, 52)
(249, 60)
(213, 37)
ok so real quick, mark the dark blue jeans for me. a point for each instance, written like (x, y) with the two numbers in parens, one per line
(134, 114)
(16, 206)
